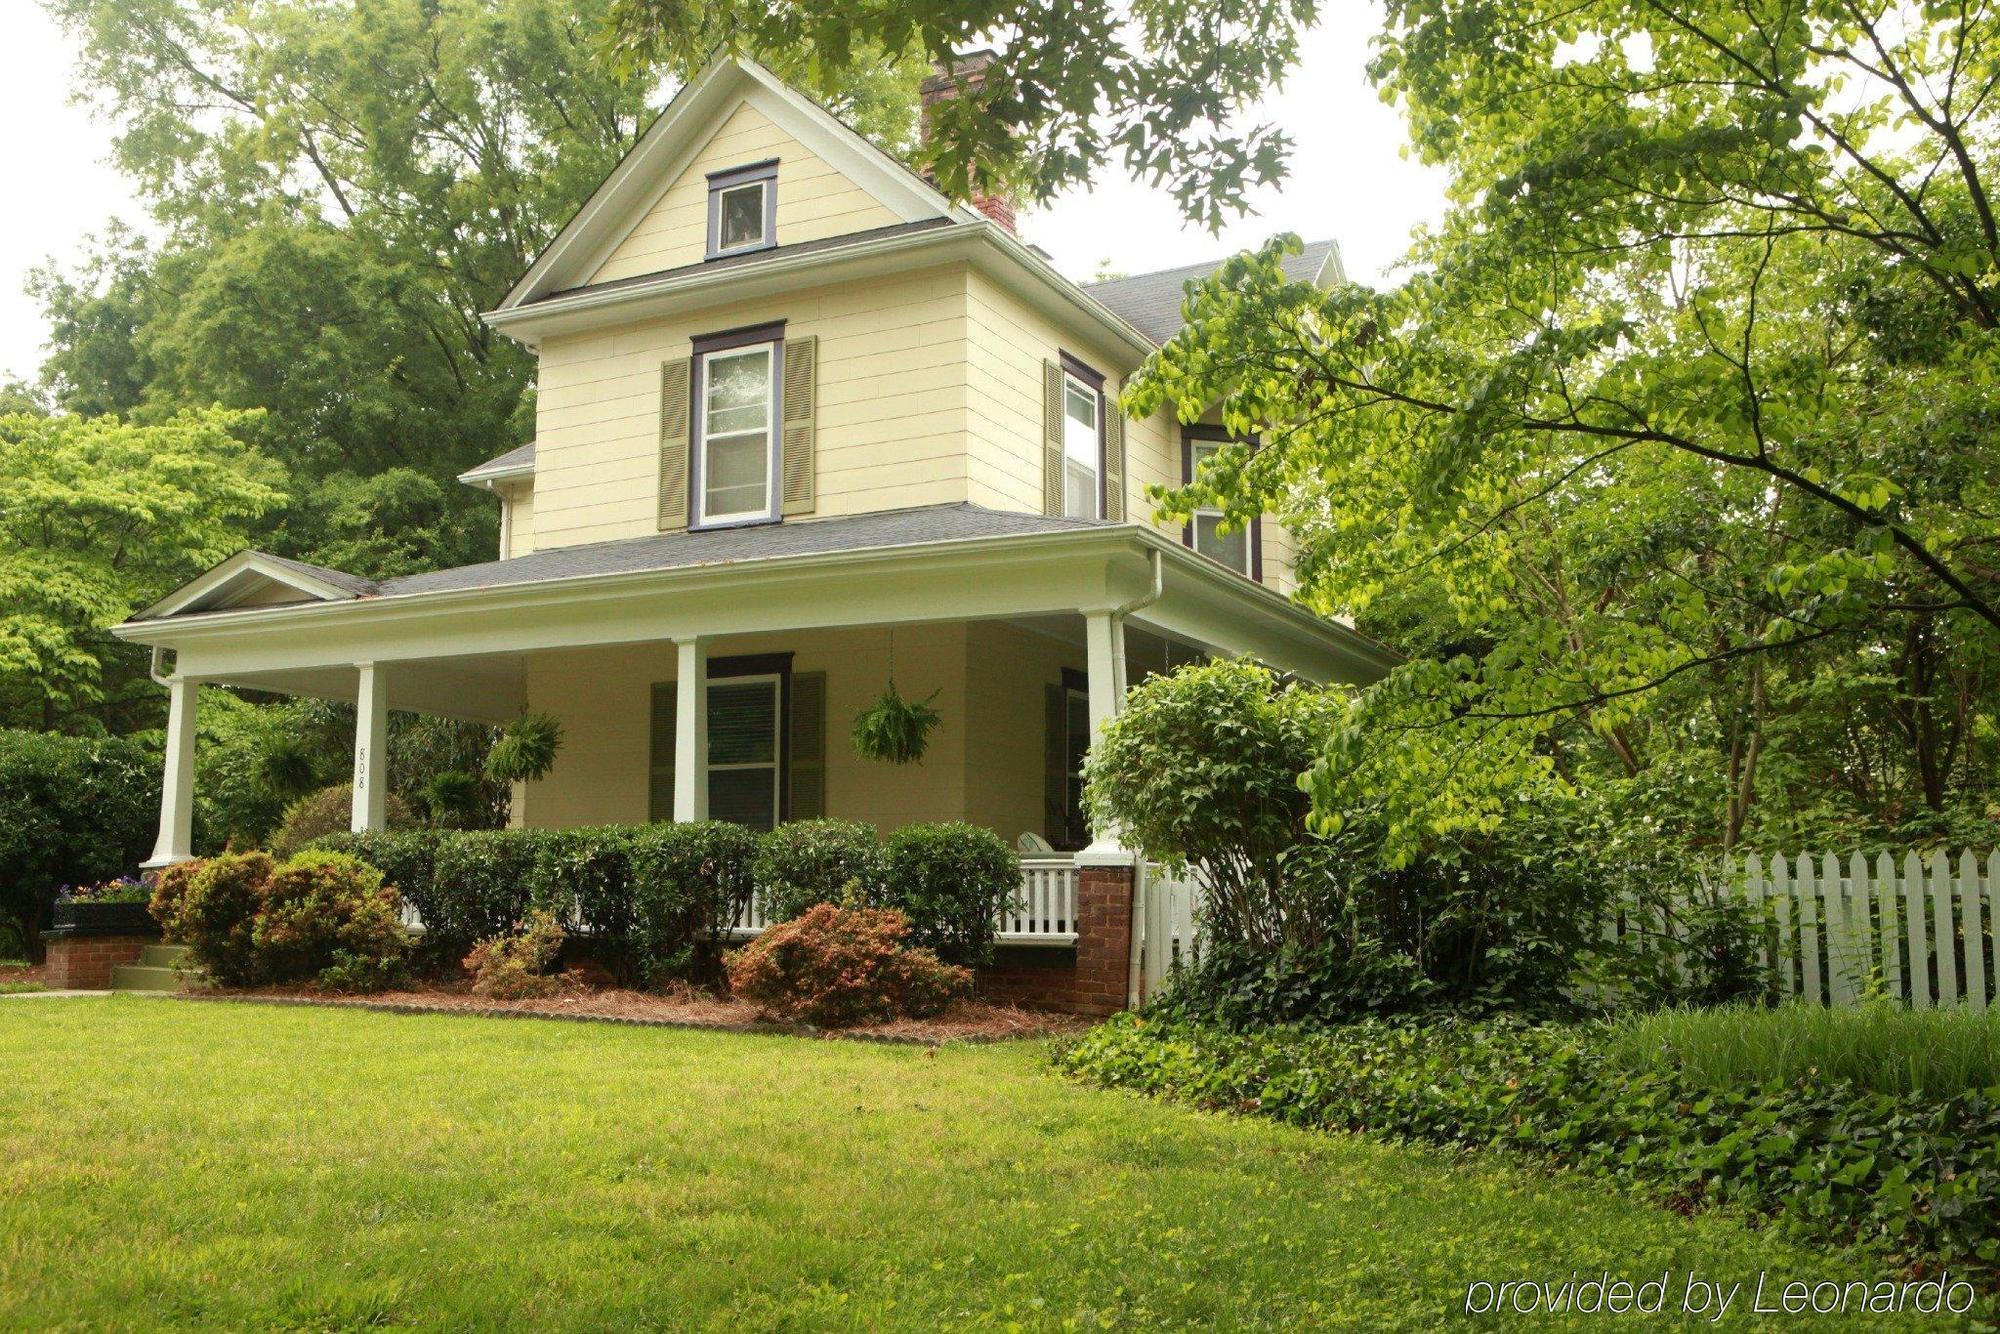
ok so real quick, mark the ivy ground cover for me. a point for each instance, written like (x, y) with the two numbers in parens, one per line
(167, 1163)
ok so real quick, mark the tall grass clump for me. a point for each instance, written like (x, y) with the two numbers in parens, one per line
(1882, 1046)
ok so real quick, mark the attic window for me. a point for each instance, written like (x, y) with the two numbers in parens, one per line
(743, 209)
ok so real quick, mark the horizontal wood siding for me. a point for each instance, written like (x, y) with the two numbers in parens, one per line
(519, 497)
(890, 415)
(814, 200)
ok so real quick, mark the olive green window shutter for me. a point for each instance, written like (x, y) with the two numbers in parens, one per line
(666, 712)
(1052, 438)
(1114, 460)
(796, 450)
(675, 390)
(808, 737)
(1055, 765)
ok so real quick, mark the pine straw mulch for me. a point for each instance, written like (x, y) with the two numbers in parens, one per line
(31, 974)
(967, 1021)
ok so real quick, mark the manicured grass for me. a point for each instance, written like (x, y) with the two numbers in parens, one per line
(11, 988)
(1884, 1047)
(178, 1163)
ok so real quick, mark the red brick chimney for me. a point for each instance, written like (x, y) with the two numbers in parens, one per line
(968, 68)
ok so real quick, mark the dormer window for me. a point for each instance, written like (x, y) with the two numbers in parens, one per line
(743, 210)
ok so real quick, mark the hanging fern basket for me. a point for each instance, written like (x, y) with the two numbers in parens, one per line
(893, 729)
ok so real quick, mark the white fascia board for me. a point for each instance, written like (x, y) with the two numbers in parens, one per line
(485, 478)
(983, 243)
(243, 566)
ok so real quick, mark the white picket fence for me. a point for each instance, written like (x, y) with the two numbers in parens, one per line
(1166, 928)
(1840, 930)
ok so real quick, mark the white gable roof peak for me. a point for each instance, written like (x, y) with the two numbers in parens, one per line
(678, 134)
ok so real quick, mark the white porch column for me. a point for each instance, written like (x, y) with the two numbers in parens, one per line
(691, 732)
(176, 841)
(371, 750)
(1104, 662)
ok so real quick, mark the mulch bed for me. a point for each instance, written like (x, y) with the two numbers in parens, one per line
(36, 973)
(968, 1021)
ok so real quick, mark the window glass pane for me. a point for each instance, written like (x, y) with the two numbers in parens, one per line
(1232, 549)
(740, 216)
(736, 433)
(744, 796)
(1081, 449)
(742, 722)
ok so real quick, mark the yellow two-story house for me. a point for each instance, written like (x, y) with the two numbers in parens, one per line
(803, 427)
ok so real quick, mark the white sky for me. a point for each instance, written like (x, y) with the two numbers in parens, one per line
(1348, 179)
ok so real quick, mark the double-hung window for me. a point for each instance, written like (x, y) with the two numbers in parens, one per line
(1083, 442)
(748, 756)
(736, 427)
(1237, 549)
(742, 210)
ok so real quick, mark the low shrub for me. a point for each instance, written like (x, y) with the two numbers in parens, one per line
(813, 861)
(519, 965)
(327, 811)
(585, 875)
(1827, 1159)
(326, 917)
(482, 882)
(690, 883)
(1882, 1046)
(950, 881)
(73, 811)
(170, 886)
(407, 860)
(838, 966)
(1241, 987)
(212, 908)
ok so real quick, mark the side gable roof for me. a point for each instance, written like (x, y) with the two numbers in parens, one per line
(677, 135)
(1151, 302)
(256, 578)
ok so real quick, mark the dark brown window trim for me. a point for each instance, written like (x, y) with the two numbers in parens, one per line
(749, 335)
(764, 173)
(1095, 379)
(1218, 435)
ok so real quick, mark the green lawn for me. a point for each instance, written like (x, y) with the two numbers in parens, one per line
(176, 1163)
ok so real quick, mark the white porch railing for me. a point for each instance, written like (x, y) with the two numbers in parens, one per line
(1043, 913)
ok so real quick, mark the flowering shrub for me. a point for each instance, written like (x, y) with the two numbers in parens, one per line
(838, 966)
(125, 889)
(326, 917)
(518, 966)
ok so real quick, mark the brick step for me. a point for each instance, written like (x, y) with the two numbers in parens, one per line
(140, 977)
(162, 956)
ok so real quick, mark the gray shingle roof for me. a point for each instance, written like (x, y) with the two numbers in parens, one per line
(723, 546)
(1151, 302)
(353, 583)
(515, 459)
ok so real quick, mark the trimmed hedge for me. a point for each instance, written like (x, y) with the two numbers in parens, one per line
(814, 861)
(950, 881)
(73, 811)
(1829, 1161)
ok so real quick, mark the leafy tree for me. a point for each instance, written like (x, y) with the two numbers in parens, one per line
(1159, 83)
(1671, 462)
(98, 517)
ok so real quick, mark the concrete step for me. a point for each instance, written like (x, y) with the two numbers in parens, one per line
(141, 977)
(162, 956)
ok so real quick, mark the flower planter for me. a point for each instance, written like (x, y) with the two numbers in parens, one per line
(103, 919)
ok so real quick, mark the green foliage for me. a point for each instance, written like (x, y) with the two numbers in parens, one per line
(895, 730)
(407, 860)
(72, 811)
(1163, 88)
(102, 517)
(1918, 1172)
(1201, 769)
(1881, 1047)
(526, 749)
(213, 911)
(840, 966)
(521, 964)
(812, 861)
(1670, 464)
(950, 881)
(690, 884)
(326, 917)
(327, 811)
